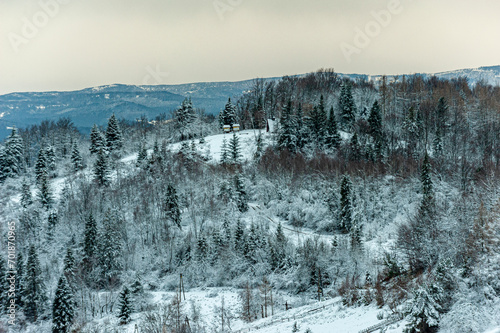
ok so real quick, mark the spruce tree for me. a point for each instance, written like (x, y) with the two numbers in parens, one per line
(346, 204)
(228, 115)
(259, 146)
(114, 139)
(125, 306)
(90, 242)
(376, 130)
(171, 206)
(96, 140)
(20, 269)
(354, 148)
(239, 236)
(101, 169)
(110, 247)
(347, 107)
(241, 195)
(224, 158)
(35, 299)
(423, 310)
(440, 126)
(69, 265)
(13, 155)
(26, 197)
(287, 138)
(234, 149)
(4, 287)
(184, 117)
(427, 204)
(41, 168)
(63, 307)
(142, 155)
(44, 192)
(76, 158)
(50, 154)
(333, 137)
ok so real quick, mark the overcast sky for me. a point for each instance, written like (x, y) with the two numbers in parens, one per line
(73, 44)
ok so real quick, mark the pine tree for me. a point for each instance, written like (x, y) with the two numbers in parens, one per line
(427, 204)
(376, 130)
(63, 307)
(110, 247)
(333, 137)
(287, 138)
(346, 204)
(69, 265)
(76, 158)
(41, 168)
(224, 159)
(125, 306)
(259, 146)
(26, 197)
(347, 107)
(184, 117)
(35, 298)
(171, 207)
(50, 155)
(96, 140)
(440, 126)
(44, 192)
(4, 287)
(114, 139)
(424, 309)
(13, 155)
(101, 169)
(20, 280)
(228, 115)
(234, 149)
(90, 245)
(241, 195)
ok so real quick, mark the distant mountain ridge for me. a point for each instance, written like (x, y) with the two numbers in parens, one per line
(94, 105)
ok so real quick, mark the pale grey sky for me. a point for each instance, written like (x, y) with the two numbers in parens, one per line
(73, 44)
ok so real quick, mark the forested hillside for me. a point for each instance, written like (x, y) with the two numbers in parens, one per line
(386, 194)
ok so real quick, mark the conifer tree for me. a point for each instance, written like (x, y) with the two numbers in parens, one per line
(228, 115)
(171, 207)
(333, 137)
(63, 307)
(241, 195)
(125, 306)
(44, 192)
(26, 197)
(142, 155)
(41, 168)
(287, 138)
(114, 139)
(347, 107)
(354, 148)
(424, 310)
(101, 169)
(12, 156)
(96, 140)
(346, 204)
(4, 287)
(20, 280)
(76, 158)
(50, 155)
(234, 149)
(69, 265)
(110, 247)
(376, 130)
(224, 159)
(201, 248)
(427, 204)
(35, 299)
(259, 146)
(90, 241)
(440, 126)
(184, 116)
(239, 236)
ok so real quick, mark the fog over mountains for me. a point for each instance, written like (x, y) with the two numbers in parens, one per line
(95, 105)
